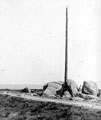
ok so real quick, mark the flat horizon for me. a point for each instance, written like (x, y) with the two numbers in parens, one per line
(20, 86)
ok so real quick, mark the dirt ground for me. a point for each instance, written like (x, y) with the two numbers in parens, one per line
(15, 108)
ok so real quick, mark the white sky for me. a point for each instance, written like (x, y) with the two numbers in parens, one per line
(32, 40)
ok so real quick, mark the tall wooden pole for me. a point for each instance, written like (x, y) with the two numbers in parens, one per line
(66, 48)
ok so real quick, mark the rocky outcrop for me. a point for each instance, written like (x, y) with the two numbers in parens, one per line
(90, 88)
(70, 89)
(56, 85)
(50, 88)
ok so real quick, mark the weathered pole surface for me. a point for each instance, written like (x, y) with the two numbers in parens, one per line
(66, 48)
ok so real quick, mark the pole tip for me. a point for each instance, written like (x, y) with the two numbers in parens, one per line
(67, 6)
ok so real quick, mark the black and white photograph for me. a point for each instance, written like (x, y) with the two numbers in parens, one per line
(50, 60)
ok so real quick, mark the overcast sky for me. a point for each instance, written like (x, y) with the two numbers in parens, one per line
(32, 41)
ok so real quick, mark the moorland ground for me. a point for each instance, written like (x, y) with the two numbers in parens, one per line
(16, 108)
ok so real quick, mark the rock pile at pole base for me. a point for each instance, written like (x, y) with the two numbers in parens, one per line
(70, 89)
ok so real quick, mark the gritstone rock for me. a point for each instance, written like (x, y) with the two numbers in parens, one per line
(26, 90)
(63, 93)
(72, 87)
(69, 86)
(90, 88)
(51, 88)
(67, 94)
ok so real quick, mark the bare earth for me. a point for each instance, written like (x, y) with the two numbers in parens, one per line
(26, 107)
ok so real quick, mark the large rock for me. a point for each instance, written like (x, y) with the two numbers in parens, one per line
(90, 88)
(51, 88)
(70, 86)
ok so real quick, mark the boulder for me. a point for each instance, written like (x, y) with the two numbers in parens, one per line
(56, 85)
(90, 88)
(71, 86)
(67, 94)
(50, 88)
(26, 90)
(60, 92)
(45, 86)
(50, 91)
